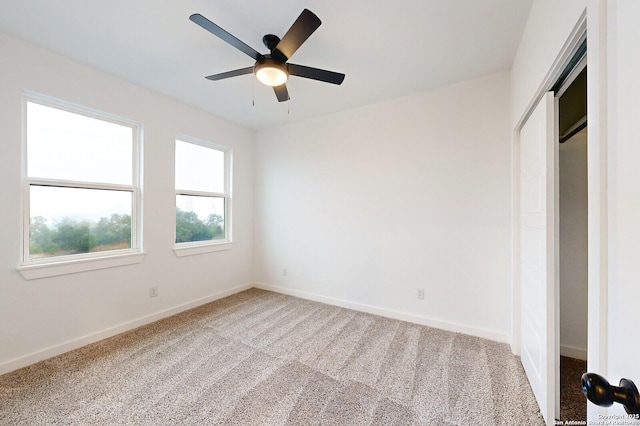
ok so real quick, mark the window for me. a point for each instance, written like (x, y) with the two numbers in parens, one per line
(202, 197)
(81, 184)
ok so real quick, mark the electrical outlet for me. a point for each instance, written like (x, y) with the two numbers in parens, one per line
(285, 272)
(420, 293)
(153, 291)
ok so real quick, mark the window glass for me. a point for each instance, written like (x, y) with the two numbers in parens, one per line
(202, 198)
(65, 221)
(69, 146)
(199, 218)
(199, 168)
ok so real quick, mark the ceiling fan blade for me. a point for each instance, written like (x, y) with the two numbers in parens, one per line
(300, 31)
(316, 74)
(228, 74)
(281, 92)
(224, 35)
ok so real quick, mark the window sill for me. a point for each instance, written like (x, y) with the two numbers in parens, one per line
(193, 249)
(43, 270)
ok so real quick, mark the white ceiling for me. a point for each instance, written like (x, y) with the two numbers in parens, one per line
(386, 48)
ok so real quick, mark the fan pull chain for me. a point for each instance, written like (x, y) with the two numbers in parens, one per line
(253, 94)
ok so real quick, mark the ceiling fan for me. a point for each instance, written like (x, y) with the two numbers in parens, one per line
(272, 69)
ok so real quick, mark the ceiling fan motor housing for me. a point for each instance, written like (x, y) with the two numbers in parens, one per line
(271, 41)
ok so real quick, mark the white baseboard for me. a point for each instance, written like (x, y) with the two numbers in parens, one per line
(38, 356)
(573, 352)
(403, 316)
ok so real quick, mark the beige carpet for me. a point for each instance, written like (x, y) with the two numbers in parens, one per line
(264, 358)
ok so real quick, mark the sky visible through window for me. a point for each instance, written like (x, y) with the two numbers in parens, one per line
(57, 203)
(66, 146)
(199, 168)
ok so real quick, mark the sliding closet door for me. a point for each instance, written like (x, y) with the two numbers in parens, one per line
(537, 251)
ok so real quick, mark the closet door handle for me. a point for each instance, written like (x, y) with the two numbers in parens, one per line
(598, 390)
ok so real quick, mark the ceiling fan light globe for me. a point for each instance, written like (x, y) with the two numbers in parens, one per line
(271, 76)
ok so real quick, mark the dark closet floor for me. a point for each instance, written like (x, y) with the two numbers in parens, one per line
(573, 404)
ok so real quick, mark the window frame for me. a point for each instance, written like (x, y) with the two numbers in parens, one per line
(190, 248)
(59, 265)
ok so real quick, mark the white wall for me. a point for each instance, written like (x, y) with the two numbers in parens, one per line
(573, 246)
(39, 318)
(624, 190)
(549, 25)
(366, 205)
